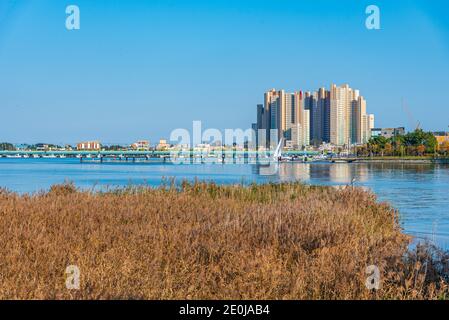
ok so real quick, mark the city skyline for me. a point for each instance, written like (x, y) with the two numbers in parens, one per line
(139, 69)
(337, 116)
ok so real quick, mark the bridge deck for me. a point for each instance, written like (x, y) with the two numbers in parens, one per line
(149, 153)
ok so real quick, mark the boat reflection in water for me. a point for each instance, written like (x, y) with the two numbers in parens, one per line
(335, 173)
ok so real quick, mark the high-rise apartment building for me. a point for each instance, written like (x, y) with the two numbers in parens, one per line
(338, 116)
(360, 121)
(340, 104)
(371, 121)
(322, 134)
(305, 126)
(349, 122)
(272, 114)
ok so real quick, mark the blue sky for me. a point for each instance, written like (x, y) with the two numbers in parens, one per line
(139, 69)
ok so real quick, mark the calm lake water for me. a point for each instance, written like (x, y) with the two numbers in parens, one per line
(419, 191)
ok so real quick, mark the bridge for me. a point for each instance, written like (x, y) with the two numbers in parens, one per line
(104, 155)
(148, 153)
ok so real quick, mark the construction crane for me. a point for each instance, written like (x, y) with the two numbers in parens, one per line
(411, 119)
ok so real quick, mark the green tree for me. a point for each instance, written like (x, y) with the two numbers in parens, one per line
(388, 149)
(444, 148)
(420, 138)
(421, 149)
(377, 144)
(5, 146)
(431, 142)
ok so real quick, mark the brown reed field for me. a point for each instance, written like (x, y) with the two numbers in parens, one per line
(203, 241)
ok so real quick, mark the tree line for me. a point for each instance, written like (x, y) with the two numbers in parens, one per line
(5, 146)
(416, 143)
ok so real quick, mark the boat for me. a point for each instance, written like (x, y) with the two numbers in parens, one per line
(277, 155)
(320, 157)
(341, 161)
(49, 156)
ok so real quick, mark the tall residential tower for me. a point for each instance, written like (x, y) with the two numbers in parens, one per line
(338, 116)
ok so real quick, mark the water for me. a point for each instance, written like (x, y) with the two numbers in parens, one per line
(419, 191)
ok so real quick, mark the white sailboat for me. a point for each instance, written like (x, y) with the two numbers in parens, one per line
(277, 155)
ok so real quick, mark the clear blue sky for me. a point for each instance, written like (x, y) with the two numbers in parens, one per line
(138, 69)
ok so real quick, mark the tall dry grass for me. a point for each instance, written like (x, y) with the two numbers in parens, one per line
(203, 241)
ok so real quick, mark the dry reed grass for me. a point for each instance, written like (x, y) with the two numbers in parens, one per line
(203, 241)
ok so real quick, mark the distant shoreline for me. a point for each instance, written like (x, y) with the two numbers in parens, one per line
(408, 160)
(405, 160)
